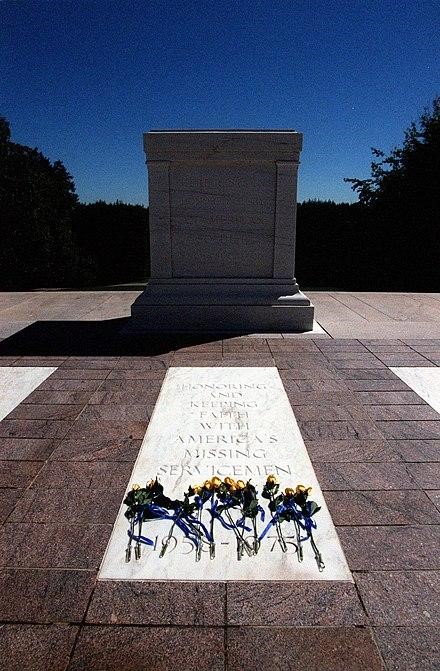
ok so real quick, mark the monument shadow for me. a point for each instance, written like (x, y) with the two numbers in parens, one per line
(97, 338)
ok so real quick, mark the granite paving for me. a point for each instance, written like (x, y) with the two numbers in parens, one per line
(67, 451)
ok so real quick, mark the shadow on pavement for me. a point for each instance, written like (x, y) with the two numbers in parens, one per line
(100, 338)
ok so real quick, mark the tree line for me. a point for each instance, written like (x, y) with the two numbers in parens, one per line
(50, 239)
(388, 240)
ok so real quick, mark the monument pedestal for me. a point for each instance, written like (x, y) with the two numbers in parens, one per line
(222, 307)
(222, 233)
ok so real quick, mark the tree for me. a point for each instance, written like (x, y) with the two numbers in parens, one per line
(37, 201)
(403, 197)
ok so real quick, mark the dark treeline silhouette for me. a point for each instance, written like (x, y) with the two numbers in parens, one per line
(37, 200)
(49, 239)
(333, 246)
(114, 237)
(389, 240)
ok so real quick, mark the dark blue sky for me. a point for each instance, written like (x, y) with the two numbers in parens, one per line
(82, 80)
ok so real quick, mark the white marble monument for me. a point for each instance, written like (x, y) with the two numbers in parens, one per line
(221, 422)
(222, 233)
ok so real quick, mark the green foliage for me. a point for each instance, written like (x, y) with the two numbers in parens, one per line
(37, 201)
(409, 176)
(49, 239)
(402, 198)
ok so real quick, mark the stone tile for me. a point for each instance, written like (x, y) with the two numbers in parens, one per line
(427, 476)
(8, 499)
(389, 347)
(321, 386)
(149, 387)
(409, 648)
(404, 359)
(77, 474)
(99, 363)
(36, 648)
(381, 507)
(364, 476)
(301, 359)
(84, 428)
(215, 346)
(69, 385)
(391, 548)
(303, 603)
(41, 595)
(341, 346)
(67, 373)
(389, 398)
(39, 361)
(345, 355)
(392, 412)
(45, 411)
(412, 430)
(367, 374)
(417, 450)
(250, 346)
(18, 474)
(351, 450)
(7, 360)
(132, 648)
(401, 597)
(33, 428)
(321, 399)
(71, 545)
(307, 373)
(277, 345)
(377, 385)
(331, 413)
(353, 429)
(158, 603)
(159, 362)
(119, 413)
(434, 495)
(422, 345)
(154, 376)
(99, 448)
(47, 506)
(139, 397)
(51, 397)
(311, 648)
(32, 449)
(365, 363)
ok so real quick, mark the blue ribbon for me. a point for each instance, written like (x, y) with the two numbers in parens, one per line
(304, 521)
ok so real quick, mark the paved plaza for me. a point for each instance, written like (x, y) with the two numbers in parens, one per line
(67, 452)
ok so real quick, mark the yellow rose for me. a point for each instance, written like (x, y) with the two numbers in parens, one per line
(135, 487)
(240, 484)
(230, 482)
(196, 489)
(272, 480)
(289, 491)
(207, 485)
(216, 482)
(301, 489)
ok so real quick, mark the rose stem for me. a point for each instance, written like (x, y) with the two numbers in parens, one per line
(281, 540)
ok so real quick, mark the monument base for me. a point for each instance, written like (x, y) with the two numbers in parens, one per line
(222, 306)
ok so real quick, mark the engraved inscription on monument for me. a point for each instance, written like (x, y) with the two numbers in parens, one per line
(234, 422)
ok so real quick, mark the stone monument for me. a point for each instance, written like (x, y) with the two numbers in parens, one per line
(222, 233)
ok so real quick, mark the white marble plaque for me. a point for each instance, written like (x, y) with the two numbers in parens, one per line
(234, 422)
(17, 382)
(424, 381)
